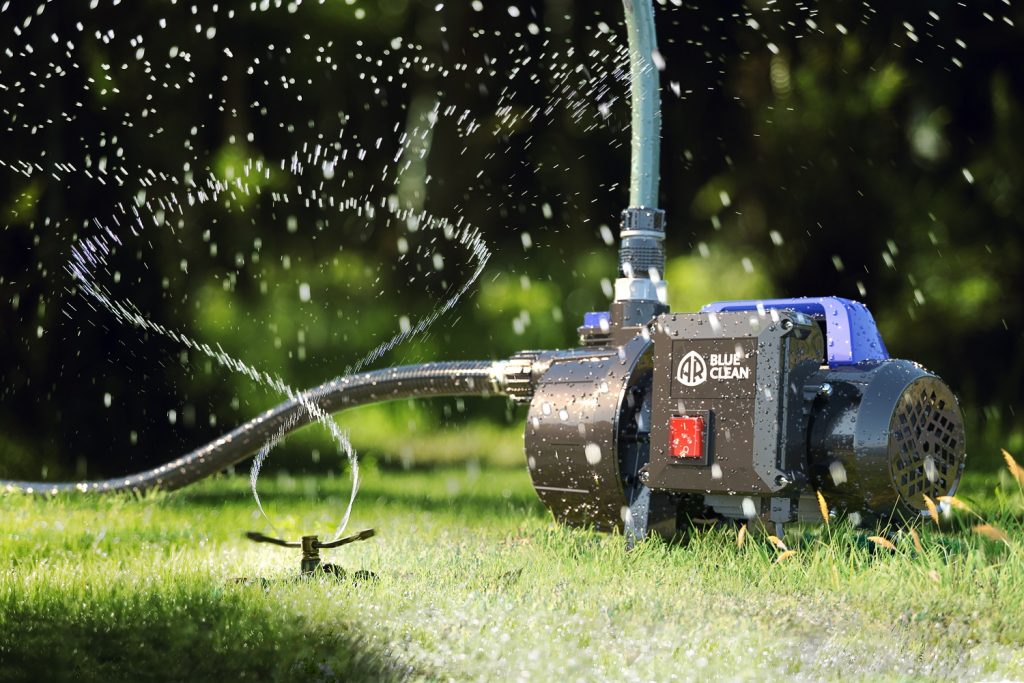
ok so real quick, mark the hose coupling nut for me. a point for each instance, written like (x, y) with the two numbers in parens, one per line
(515, 377)
(639, 219)
(641, 250)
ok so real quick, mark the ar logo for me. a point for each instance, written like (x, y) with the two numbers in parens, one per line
(692, 370)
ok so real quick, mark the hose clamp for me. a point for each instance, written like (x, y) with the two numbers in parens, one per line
(515, 376)
(644, 220)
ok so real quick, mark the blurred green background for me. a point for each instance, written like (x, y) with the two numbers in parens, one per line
(869, 150)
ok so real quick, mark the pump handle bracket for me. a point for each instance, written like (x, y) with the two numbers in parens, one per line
(852, 337)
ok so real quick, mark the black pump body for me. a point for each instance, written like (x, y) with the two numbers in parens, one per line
(742, 411)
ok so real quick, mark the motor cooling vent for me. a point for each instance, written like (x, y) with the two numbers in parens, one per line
(926, 447)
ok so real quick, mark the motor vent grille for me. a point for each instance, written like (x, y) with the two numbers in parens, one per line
(926, 445)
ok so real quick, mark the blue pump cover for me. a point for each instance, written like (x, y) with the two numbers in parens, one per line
(594, 318)
(851, 334)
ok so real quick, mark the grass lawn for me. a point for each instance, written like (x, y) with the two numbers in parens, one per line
(476, 582)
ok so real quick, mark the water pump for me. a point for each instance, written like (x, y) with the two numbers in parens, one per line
(744, 410)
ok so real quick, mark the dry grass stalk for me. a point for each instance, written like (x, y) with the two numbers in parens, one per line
(933, 511)
(823, 507)
(917, 541)
(1016, 470)
(741, 536)
(955, 502)
(882, 541)
(992, 533)
(777, 542)
(785, 556)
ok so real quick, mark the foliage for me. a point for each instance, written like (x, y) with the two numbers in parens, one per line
(797, 161)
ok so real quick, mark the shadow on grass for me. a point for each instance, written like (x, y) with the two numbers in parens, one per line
(466, 503)
(208, 635)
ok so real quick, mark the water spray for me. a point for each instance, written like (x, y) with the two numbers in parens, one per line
(745, 410)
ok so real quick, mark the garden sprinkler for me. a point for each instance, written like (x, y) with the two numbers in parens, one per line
(311, 565)
(745, 410)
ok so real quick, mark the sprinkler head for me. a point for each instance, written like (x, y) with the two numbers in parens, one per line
(311, 564)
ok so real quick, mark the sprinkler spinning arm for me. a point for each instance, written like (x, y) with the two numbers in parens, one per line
(745, 410)
(311, 547)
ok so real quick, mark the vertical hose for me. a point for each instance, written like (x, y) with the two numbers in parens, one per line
(646, 102)
(640, 290)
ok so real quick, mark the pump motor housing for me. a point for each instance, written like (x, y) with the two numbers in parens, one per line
(742, 411)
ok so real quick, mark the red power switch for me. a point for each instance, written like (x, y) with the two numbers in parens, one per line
(686, 436)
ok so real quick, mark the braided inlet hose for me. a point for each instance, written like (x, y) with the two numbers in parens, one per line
(646, 104)
(640, 292)
(459, 378)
